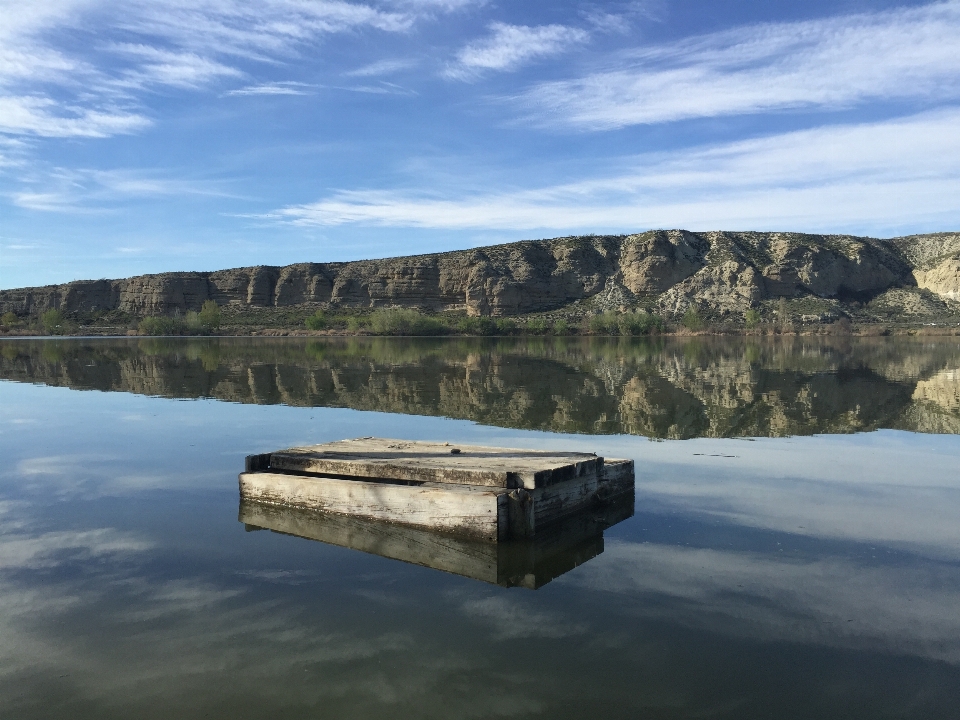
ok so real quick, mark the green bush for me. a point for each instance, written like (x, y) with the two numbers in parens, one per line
(53, 322)
(193, 323)
(752, 317)
(603, 324)
(317, 321)
(537, 326)
(9, 319)
(405, 322)
(561, 327)
(631, 323)
(477, 326)
(641, 323)
(356, 322)
(691, 319)
(161, 326)
(209, 315)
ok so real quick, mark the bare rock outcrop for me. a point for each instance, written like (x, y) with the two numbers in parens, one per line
(943, 278)
(721, 272)
(654, 262)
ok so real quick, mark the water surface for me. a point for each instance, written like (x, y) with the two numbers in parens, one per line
(794, 549)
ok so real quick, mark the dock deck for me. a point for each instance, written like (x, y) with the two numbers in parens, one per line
(486, 493)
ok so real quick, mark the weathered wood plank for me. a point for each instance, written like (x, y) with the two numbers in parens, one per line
(617, 478)
(466, 510)
(438, 462)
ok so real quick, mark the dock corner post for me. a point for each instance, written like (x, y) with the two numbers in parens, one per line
(257, 463)
(521, 518)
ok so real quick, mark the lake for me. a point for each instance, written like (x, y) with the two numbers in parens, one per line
(792, 550)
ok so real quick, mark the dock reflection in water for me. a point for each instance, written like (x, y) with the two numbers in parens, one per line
(515, 563)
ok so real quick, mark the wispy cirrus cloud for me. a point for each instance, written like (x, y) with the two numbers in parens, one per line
(876, 174)
(158, 66)
(275, 88)
(92, 191)
(96, 88)
(510, 46)
(45, 117)
(382, 67)
(824, 64)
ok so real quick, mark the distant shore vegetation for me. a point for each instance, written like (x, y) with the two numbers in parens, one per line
(204, 322)
(405, 321)
(800, 316)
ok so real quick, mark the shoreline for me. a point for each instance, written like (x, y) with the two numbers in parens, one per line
(952, 330)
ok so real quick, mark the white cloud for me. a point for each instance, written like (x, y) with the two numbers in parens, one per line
(510, 46)
(830, 63)
(156, 66)
(38, 115)
(382, 67)
(89, 191)
(127, 47)
(879, 174)
(275, 88)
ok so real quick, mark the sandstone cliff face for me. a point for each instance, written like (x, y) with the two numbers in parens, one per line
(943, 278)
(721, 272)
(935, 260)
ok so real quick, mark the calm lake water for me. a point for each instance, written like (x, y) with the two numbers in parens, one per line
(793, 550)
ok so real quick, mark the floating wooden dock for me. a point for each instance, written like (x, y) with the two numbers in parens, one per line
(484, 493)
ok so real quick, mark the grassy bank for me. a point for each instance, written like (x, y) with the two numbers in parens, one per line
(773, 318)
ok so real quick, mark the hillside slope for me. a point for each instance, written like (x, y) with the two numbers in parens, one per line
(721, 273)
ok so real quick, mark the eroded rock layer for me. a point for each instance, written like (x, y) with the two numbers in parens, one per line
(719, 271)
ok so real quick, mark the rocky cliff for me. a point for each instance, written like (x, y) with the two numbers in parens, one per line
(719, 272)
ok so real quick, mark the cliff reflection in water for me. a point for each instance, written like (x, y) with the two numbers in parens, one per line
(661, 388)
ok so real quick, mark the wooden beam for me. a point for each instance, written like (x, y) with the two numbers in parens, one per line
(465, 510)
(438, 462)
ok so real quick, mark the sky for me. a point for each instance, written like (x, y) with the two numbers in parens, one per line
(142, 136)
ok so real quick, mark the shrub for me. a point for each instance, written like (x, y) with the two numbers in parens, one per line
(561, 327)
(631, 323)
(477, 326)
(317, 321)
(537, 326)
(9, 319)
(355, 322)
(405, 322)
(209, 315)
(53, 322)
(505, 326)
(604, 324)
(782, 312)
(691, 319)
(641, 323)
(752, 317)
(193, 323)
(161, 326)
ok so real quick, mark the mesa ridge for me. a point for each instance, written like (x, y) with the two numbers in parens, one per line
(665, 271)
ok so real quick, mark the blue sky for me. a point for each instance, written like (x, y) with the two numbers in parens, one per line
(153, 135)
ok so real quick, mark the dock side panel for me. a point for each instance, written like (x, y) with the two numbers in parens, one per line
(465, 511)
